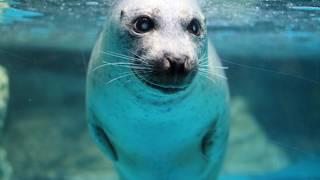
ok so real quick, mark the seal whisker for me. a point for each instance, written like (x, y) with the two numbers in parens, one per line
(204, 66)
(207, 77)
(216, 67)
(119, 65)
(98, 67)
(221, 67)
(119, 55)
(203, 58)
(204, 55)
(267, 70)
(137, 70)
(117, 78)
(134, 67)
(116, 55)
(143, 61)
(140, 58)
(125, 63)
(203, 69)
(140, 68)
(203, 61)
(215, 74)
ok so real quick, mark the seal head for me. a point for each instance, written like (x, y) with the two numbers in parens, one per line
(166, 45)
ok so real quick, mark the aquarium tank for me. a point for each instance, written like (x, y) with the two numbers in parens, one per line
(271, 49)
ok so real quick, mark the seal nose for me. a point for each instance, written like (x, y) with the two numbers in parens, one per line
(176, 65)
(171, 71)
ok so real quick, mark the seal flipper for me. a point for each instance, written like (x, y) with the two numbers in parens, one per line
(210, 145)
(102, 139)
(207, 140)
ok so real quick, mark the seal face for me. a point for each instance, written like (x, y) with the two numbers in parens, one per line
(157, 99)
(166, 46)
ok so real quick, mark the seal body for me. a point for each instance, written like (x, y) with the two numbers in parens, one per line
(158, 127)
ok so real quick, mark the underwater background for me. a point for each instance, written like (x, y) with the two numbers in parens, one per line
(272, 49)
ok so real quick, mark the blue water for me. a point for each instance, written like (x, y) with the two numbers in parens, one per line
(272, 49)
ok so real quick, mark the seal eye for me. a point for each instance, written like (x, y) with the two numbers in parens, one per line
(194, 27)
(143, 25)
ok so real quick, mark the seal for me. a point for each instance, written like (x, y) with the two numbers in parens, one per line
(157, 97)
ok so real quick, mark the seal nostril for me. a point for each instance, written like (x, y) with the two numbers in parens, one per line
(178, 66)
(187, 66)
(175, 65)
(166, 64)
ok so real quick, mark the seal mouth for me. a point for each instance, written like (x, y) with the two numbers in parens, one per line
(168, 89)
(165, 81)
(165, 89)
